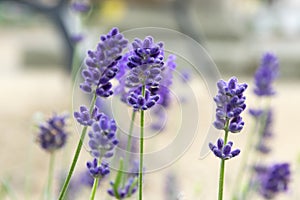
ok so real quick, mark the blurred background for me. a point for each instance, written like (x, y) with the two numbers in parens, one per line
(42, 45)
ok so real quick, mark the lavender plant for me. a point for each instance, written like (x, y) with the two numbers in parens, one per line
(101, 67)
(52, 136)
(273, 179)
(142, 80)
(230, 102)
(263, 178)
(102, 143)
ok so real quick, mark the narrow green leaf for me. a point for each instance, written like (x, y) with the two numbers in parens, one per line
(118, 179)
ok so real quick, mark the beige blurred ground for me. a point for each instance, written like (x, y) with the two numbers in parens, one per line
(26, 91)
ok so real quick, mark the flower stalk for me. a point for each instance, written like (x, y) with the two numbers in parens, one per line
(76, 155)
(141, 151)
(48, 194)
(222, 166)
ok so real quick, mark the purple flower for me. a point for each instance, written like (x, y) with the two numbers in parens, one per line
(52, 134)
(126, 191)
(273, 179)
(97, 170)
(81, 7)
(101, 64)
(138, 101)
(145, 63)
(83, 116)
(224, 151)
(103, 137)
(265, 75)
(230, 104)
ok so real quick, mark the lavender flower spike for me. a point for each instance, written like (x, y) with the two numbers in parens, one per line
(101, 64)
(52, 134)
(103, 137)
(265, 75)
(137, 101)
(145, 63)
(274, 179)
(230, 104)
(223, 151)
(83, 116)
(98, 170)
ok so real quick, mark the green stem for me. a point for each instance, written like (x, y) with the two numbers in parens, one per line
(246, 157)
(262, 127)
(222, 165)
(76, 156)
(221, 179)
(128, 147)
(50, 176)
(141, 151)
(94, 189)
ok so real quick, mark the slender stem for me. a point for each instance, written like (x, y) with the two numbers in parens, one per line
(48, 194)
(76, 156)
(262, 126)
(94, 189)
(141, 151)
(222, 165)
(245, 159)
(128, 147)
(221, 179)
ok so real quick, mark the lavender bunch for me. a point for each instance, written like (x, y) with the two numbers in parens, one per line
(230, 102)
(101, 67)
